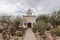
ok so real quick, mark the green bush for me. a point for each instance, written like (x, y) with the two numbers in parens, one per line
(56, 32)
(44, 37)
(4, 35)
(47, 28)
(20, 28)
(20, 33)
(41, 32)
(1, 30)
(34, 30)
(13, 31)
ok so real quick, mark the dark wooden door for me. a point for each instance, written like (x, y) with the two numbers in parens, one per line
(29, 25)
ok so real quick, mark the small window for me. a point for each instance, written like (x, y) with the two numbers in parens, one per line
(33, 23)
(25, 24)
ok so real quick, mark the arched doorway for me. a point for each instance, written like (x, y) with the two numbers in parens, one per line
(29, 25)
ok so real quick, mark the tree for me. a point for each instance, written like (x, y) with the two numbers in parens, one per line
(17, 21)
(42, 24)
(55, 21)
(42, 17)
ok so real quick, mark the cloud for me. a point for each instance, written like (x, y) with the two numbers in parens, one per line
(50, 5)
(18, 7)
(6, 7)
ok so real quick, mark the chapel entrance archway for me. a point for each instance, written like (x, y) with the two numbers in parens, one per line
(29, 25)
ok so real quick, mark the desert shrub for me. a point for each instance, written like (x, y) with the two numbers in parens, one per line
(1, 30)
(4, 35)
(44, 37)
(34, 30)
(41, 32)
(25, 28)
(20, 33)
(40, 27)
(16, 39)
(20, 28)
(13, 31)
(47, 28)
(56, 32)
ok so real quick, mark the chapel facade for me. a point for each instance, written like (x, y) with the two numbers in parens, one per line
(30, 19)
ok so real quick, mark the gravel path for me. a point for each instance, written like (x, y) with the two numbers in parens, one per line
(29, 35)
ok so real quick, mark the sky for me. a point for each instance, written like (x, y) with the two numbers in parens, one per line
(20, 7)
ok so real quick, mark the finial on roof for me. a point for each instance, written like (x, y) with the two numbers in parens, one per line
(29, 12)
(29, 9)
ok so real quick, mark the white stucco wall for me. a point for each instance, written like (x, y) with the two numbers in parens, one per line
(30, 19)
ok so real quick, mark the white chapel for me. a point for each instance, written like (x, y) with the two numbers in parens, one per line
(30, 19)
